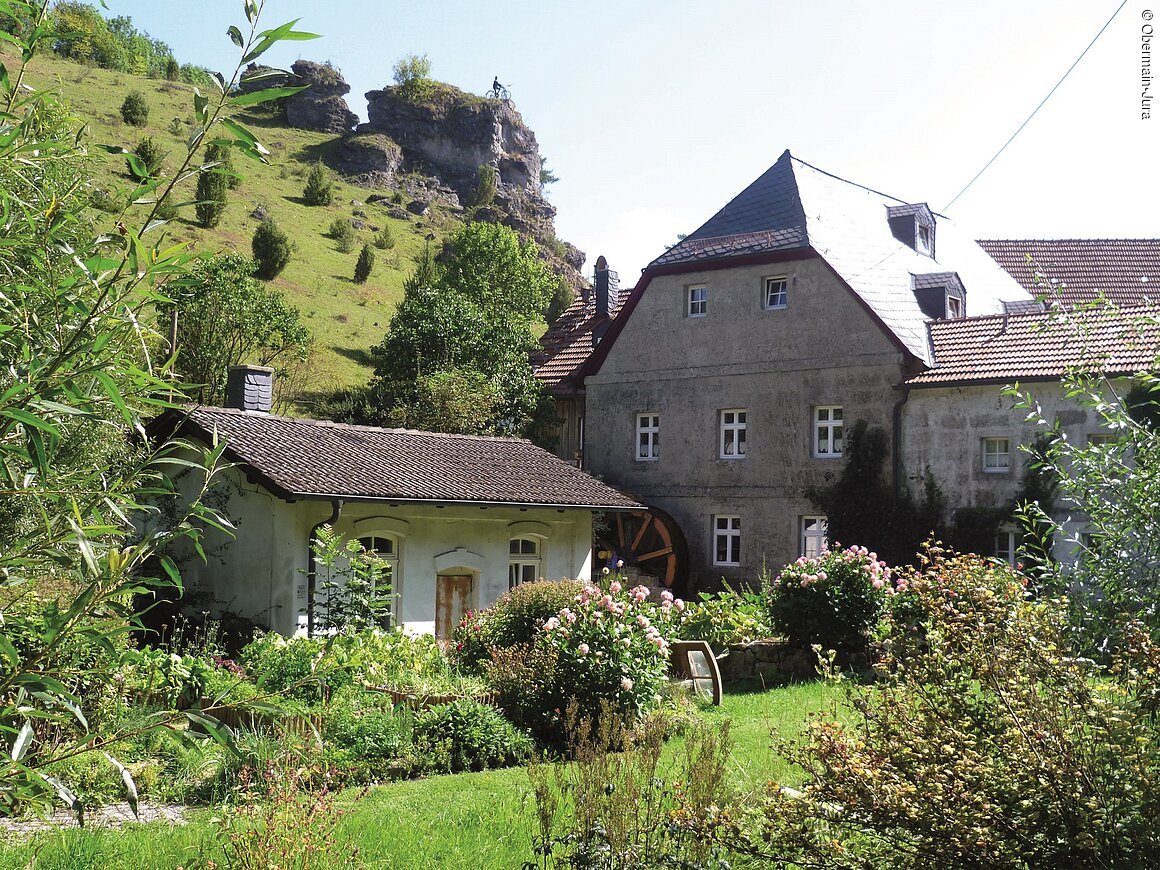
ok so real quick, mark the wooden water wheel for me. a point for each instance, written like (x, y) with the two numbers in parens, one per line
(649, 542)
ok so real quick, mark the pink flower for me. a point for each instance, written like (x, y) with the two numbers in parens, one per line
(552, 624)
(805, 581)
(666, 596)
(615, 587)
(679, 604)
(606, 601)
(582, 649)
(878, 583)
(822, 575)
(625, 642)
(626, 684)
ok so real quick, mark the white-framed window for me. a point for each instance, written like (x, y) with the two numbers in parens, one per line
(812, 535)
(525, 561)
(1006, 545)
(726, 540)
(996, 454)
(1100, 439)
(385, 548)
(954, 307)
(648, 437)
(924, 239)
(828, 431)
(698, 300)
(733, 434)
(775, 291)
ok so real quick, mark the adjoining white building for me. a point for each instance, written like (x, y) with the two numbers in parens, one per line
(459, 519)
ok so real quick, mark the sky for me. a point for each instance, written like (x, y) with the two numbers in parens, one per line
(654, 114)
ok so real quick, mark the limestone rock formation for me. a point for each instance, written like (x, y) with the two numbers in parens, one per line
(321, 106)
(453, 133)
(370, 159)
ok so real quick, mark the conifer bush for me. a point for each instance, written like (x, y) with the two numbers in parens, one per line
(342, 231)
(364, 266)
(384, 239)
(135, 110)
(271, 249)
(212, 185)
(319, 188)
(149, 158)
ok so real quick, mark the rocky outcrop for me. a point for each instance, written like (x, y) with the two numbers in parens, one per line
(452, 134)
(321, 106)
(369, 159)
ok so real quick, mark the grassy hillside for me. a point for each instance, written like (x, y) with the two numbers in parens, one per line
(346, 318)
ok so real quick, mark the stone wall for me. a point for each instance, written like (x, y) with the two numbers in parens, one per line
(771, 661)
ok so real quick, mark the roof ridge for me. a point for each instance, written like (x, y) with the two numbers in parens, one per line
(1069, 239)
(861, 186)
(353, 426)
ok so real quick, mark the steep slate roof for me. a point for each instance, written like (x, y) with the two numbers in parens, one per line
(316, 459)
(1041, 345)
(794, 205)
(1126, 271)
(569, 342)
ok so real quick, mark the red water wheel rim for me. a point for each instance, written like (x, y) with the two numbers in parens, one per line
(650, 543)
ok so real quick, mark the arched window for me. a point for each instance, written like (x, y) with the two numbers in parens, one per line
(385, 548)
(525, 560)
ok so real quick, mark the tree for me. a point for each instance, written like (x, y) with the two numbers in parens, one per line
(271, 249)
(319, 188)
(212, 185)
(149, 158)
(81, 530)
(172, 70)
(225, 317)
(366, 263)
(562, 298)
(413, 76)
(134, 110)
(468, 314)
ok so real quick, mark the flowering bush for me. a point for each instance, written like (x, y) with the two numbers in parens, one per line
(724, 618)
(833, 599)
(991, 744)
(514, 618)
(605, 645)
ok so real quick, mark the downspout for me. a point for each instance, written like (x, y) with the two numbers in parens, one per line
(896, 442)
(312, 562)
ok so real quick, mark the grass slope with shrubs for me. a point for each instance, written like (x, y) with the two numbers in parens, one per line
(346, 318)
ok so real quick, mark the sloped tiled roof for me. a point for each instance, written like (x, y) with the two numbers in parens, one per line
(312, 458)
(1125, 271)
(569, 342)
(794, 205)
(1041, 345)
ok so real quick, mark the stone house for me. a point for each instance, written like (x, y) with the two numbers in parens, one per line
(458, 519)
(721, 391)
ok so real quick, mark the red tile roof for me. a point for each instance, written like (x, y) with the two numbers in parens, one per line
(1126, 271)
(1041, 345)
(569, 342)
(317, 459)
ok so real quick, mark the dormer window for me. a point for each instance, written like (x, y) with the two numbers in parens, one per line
(913, 225)
(924, 240)
(940, 295)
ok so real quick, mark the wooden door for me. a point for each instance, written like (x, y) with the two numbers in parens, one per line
(452, 601)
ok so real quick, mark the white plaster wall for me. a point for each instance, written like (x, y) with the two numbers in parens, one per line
(261, 572)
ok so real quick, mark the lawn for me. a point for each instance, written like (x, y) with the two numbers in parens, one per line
(463, 821)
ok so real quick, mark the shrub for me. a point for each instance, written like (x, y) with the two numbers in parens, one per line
(355, 592)
(991, 744)
(413, 76)
(342, 231)
(468, 735)
(514, 618)
(363, 735)
(149, 158)
(602, 647)
(725, 618)
(172, 70)
(364, 266)
(384, 239)
(319, 188)
(211, 189)
(617, 805)
(271, 249)
(833, 599)
(134, 110)
(483, 193)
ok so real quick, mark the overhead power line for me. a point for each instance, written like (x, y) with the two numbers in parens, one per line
(1037, 108)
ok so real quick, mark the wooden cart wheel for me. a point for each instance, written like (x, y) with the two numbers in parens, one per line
(651, 542)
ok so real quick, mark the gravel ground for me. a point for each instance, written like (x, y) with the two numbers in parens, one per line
(111, 816)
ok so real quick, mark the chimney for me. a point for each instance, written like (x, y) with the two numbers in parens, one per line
(601, 281)
(250, 388)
